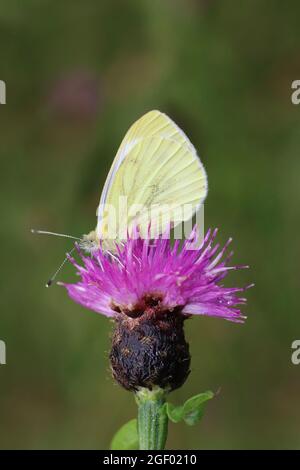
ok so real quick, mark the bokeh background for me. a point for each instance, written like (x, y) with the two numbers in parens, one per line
(78, 73)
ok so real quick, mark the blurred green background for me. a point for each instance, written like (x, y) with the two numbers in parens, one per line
(78, 73)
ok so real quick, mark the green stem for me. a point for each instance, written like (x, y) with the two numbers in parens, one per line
(152, 419)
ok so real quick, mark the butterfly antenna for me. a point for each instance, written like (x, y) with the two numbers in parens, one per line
(45, 232)
(52, 278)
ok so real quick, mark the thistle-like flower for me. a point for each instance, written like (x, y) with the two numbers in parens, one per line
(150, 287)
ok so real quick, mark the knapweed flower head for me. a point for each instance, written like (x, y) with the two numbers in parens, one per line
(150, 287)
(144, 271)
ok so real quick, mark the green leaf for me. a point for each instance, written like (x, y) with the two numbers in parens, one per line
(191, 411)
(127, 437)
(175, 413)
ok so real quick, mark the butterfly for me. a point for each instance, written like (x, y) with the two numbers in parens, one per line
(157, 175)
(156, 180)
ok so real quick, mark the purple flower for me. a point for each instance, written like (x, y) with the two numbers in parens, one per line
(143, 274)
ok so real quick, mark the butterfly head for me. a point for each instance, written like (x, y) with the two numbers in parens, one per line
(90, 242)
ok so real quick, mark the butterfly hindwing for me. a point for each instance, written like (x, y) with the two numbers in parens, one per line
(157, 173)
